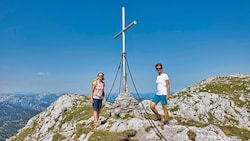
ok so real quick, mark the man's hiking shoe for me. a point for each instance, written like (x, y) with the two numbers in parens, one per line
(157, 118)
(164, 123)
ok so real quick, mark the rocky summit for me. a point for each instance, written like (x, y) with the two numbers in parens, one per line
(215, 109)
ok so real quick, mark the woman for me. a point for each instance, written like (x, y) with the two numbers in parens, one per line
(96, 96)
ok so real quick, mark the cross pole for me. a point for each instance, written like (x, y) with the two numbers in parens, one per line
(122, 32)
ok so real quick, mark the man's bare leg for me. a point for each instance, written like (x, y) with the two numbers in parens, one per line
(152, 107)
(165, 109)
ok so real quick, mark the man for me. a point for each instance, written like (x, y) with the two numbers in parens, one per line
(162, 94)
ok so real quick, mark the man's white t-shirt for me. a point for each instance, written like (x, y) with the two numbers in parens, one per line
(161, 84)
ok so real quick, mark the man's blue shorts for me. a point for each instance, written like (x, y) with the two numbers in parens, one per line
(157, 98)
(97, 105)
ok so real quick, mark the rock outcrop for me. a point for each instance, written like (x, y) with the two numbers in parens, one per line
(124, 104)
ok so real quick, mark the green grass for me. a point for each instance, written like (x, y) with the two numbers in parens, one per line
(81, 129)
(58, 137)
(25, 133)
(189, 122)
(243, 134)
(237, 101)
(176, 108)
(127, 116)
(104, 135)
(211, 118)
(147, 129)
(191, 135)
(231, 120)
(105, 112)
(149, 116)
(179, 131)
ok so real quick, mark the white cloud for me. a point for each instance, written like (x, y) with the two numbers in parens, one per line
(42, 73)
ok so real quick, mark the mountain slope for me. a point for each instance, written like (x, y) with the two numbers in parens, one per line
(17, 109)
(196, 113)
(217, 100)
(13, 118)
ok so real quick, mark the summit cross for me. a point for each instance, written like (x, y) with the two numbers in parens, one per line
(122, 32)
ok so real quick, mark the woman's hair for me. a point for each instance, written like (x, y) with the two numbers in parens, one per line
(100, 73)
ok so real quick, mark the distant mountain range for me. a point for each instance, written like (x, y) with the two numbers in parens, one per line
(17, 109)
(37, 102)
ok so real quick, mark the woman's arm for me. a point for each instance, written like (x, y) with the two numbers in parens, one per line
(92, 91)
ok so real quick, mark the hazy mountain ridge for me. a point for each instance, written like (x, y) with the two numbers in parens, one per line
(17, 109)
(198, 113)
(38, 102)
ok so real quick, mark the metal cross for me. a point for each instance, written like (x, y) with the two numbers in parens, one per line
(122, 32)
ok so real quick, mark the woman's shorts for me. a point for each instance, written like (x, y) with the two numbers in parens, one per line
(97, 105)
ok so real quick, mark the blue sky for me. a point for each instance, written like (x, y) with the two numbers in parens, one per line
(60, 46)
